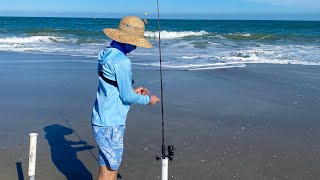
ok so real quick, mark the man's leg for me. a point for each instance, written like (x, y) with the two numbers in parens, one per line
(110, 141)
(105, 173)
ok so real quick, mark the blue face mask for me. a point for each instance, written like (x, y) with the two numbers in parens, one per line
(129, 47)
(123, 47)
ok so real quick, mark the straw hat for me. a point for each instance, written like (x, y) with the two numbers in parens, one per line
(130, 31)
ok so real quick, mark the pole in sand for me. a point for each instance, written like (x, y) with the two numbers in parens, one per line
(32, 155)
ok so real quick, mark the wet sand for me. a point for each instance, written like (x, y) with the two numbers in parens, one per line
(257, 122)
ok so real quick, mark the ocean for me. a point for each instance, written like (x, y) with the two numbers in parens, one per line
(187, 44)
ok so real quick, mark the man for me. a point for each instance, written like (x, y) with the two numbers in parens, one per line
(115, 93)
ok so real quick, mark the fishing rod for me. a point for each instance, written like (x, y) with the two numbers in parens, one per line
(170, 149)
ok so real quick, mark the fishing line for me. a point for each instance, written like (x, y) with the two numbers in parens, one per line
(75, 132)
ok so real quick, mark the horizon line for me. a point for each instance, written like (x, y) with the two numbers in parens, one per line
(154, 18)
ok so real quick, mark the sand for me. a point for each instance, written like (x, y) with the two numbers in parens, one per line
(256, 122)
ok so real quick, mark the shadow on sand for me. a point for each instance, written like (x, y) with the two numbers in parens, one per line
(19, 171)
(64, 155)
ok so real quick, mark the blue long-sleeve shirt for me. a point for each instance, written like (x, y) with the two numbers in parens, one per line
(113, 103)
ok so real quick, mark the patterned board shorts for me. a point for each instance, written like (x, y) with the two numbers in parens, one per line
(110, 142)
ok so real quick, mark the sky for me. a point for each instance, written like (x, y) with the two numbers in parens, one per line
(169, 9)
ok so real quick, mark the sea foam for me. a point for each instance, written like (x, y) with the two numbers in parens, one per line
(34, 39)
(173, 34)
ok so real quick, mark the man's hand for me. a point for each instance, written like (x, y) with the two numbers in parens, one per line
(141, 90)
(153, 100)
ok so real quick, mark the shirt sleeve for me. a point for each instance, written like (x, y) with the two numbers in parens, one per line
(124, 80)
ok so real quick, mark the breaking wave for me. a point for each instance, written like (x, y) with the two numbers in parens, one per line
(35, 39)
(194, 66)
(173, 34)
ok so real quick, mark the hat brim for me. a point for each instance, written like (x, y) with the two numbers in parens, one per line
(116, 35)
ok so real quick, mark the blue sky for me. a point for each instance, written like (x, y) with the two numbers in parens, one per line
(199, 9)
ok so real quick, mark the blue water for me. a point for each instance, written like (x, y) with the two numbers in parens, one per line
(187, 44)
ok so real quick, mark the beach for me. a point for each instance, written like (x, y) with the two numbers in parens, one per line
(260, 121)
